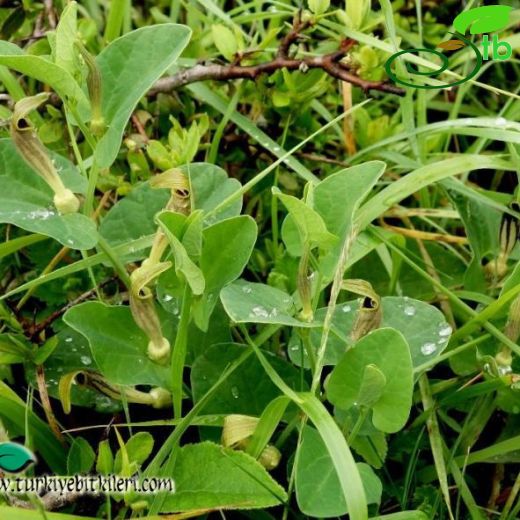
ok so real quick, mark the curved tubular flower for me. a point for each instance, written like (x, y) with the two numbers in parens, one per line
(97, 123)
(36, 155)
(145, 316)
(179, 185)
(370, 313)
(141, 297)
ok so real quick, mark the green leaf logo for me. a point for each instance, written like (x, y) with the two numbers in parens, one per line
(484, 19)
(14, 457)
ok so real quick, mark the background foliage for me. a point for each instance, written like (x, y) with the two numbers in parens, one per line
(290, 285)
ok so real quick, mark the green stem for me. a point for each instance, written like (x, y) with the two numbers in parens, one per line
(87, 134)
(511, 499)
(304, 285)
(93, 176)
(436, 441)
(115, 260)
(305, 334)
(450, 353)
(116, 16)
(363, 412)
(179, 352)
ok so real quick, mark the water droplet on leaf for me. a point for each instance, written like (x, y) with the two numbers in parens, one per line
(410, 310)
(428, 348)
(445, 330)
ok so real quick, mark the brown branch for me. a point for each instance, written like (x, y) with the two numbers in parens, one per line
(293, 35)
(329, 63)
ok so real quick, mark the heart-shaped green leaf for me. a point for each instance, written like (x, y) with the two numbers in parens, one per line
(199, 482)
(390, 398)
(129, 67)
(184, 265)
(310, 225)
(118, 345)
(423, 326)
(247, 302)
(133, 216)
(227, 246)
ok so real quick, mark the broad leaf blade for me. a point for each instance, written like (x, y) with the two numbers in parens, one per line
(318, 489)
(129, 67)
(226, 250)
(247, 302)
(423, 326)
(118, 345)
(387, 350)
(44, 71)
(27, 201)
(209, 476)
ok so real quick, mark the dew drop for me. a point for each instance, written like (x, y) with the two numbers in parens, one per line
(503, 370)
(346, 308)
(445, 330)
(167, 298)
(234, 392)
(86, 360)
(428, 348)
(68, 340)
(259, 312)
(247, 289)
(40, 214)
(501, 121)
(410, 310)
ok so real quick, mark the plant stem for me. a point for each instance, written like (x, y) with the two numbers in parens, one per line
(511, 499)
(436, 442)
(116, 262)
(93, 176)
(115, 18)
(179, 352)
(363, 412)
